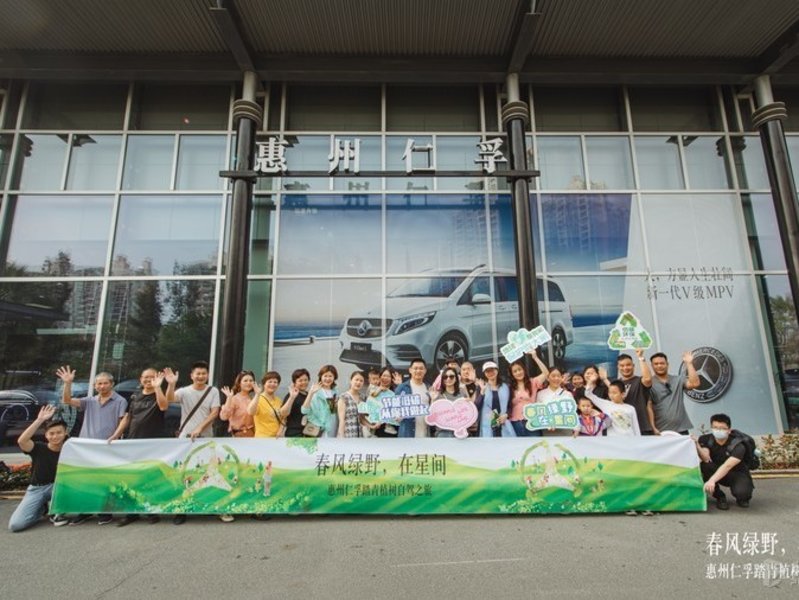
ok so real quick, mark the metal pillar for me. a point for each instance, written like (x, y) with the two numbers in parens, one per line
(515, 118)
(247, 113)
(768, 120)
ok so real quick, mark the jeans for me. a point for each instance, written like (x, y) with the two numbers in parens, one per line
(407, 428)
(32, 507)
(522, 431)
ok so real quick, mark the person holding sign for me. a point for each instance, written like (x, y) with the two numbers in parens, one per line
(636, 389)
(525, 390)
(450, 390)
(349, 425)
(320, 405)
(370, 409)
(554, 389)
(493, 402)
(623, 420)
(414, 426)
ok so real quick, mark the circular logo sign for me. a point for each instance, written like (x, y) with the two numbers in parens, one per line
(715, 374)
(364, 328)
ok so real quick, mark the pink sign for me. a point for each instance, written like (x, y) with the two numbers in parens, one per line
(454, 415)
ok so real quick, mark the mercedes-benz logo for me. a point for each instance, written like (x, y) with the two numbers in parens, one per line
(363, 328)
(715, 374)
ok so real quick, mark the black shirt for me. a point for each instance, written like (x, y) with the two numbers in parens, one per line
(45, 462)
(637, 396)
(146, 418)
(719, 454)
(294, 421)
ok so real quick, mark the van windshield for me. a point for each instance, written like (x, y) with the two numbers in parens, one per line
(440, 287)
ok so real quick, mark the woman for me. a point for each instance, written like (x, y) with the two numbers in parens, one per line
(451, 390)
(594, 383)
(292, 407)
(320, 404)
(240, 422)
(267, 409)
(554, 389)
(349, 425)
(370, 410)
(493, 402)
(524, 390)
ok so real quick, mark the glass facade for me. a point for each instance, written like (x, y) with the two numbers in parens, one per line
(650, 200)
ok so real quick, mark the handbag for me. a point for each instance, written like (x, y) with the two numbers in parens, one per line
(311, 430)
(193, 410)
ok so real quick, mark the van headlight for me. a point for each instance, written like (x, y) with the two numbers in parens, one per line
(404, 324)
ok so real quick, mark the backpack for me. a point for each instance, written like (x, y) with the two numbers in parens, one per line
(751, 459)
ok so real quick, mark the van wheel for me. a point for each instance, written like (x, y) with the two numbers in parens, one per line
(451, 345)
(558, 344)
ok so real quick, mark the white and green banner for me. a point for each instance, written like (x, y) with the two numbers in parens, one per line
(380, 476)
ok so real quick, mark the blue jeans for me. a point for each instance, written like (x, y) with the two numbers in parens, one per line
(32, 507)
(407, 428)
(522, 431)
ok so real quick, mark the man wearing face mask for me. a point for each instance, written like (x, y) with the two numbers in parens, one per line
(722, 454)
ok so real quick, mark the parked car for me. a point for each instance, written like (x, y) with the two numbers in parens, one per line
(450, 312)
(18, 409)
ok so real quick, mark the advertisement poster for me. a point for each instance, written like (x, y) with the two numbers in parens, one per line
(423, 476)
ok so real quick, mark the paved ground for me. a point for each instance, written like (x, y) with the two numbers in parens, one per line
(602, 556)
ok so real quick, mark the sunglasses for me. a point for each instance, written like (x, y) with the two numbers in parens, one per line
(449, 376)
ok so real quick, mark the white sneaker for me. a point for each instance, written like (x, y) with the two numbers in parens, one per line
(227, 518)
(59, 520)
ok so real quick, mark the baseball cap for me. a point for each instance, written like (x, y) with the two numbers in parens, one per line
(490, 365)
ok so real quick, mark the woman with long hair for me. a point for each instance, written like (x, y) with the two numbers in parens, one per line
(349, 424)
(450, 389)
(594, 383)
(493, 403)
(234, 411)
(319, 406)
(523, 392)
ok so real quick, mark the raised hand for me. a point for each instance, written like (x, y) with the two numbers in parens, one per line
(227, 391)
(293, 391)
(603, 373)
(688, 357)
(158, 379)
(46, 413)
(639, 352)
(170, 375)
(66, 374)
(396, 378)
(256, 387)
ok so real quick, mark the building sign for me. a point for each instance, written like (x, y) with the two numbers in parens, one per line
(715, 374)
(380, 476)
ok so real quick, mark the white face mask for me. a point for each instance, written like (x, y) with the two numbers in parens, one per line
(720, 434)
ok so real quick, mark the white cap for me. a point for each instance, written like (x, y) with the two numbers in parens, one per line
(489, 365)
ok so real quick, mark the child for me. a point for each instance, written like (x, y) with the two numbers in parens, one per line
(592, 421)
(623, 419)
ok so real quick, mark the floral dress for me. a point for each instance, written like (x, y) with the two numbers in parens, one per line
(352, 425)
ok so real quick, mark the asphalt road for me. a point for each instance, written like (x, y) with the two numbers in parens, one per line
(600, 556)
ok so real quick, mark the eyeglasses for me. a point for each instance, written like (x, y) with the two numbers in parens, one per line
(449, 376)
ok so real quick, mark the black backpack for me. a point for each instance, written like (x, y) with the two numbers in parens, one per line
(751, 459)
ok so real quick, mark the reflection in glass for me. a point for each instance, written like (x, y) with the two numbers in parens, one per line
(763, 232)
(459, 154)
(330, 234)
(659, 163)
(94, 162)
(609, 163)
(675, 109)
(52, 105)
(262, 244)
(793, 154)
(501, 219)
(306, 153)
(370, 160)
(256, 330)
(174, 235)
(58, 235)
(560, 161)
(200, 158)
(578, 109)
(590, 232)
(43, 326)
(699, 231)
(159, 323)
(311, 314)
(750, 163)
(40, 162)
(428, 232)
(180, 107)
(6, 142)
(705, 161)
(422, 158)
(148, 163)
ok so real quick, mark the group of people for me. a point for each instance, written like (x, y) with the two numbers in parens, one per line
(645, 404)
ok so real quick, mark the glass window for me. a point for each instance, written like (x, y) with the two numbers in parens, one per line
(560, 161)
(422, 157)
(6, 143)
(312, 315)
(200, 158)
(705, 159)
(148, 162)
(10, 95)
(58, 235)
(609, 163)
(94, 162)
(156, 323)
(330, 234)
(490, 103)
(427, 232)
(749, 162)
(307, 153)
(275, 102)
(502, 234)
(256, 338)
(763, 232)
(322, 108)
(591, 232)
(75, 106)
(416, 108)
(459, 154)
(44, 326)
(791, 98)
(40, 162)
(370, 159)
(702, 231)
(180, 107)
(167, 235)
(675, 109)
(659, 163)
(793, 153)
(262, 245)
(578, 109)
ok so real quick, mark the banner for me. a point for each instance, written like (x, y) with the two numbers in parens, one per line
(379, 476)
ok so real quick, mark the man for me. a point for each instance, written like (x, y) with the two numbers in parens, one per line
(199, 407)
(101, 415)
(636, 388)
(144, 418)
(666, 406)
(44, 458)
(414, 426)
(722, 454)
